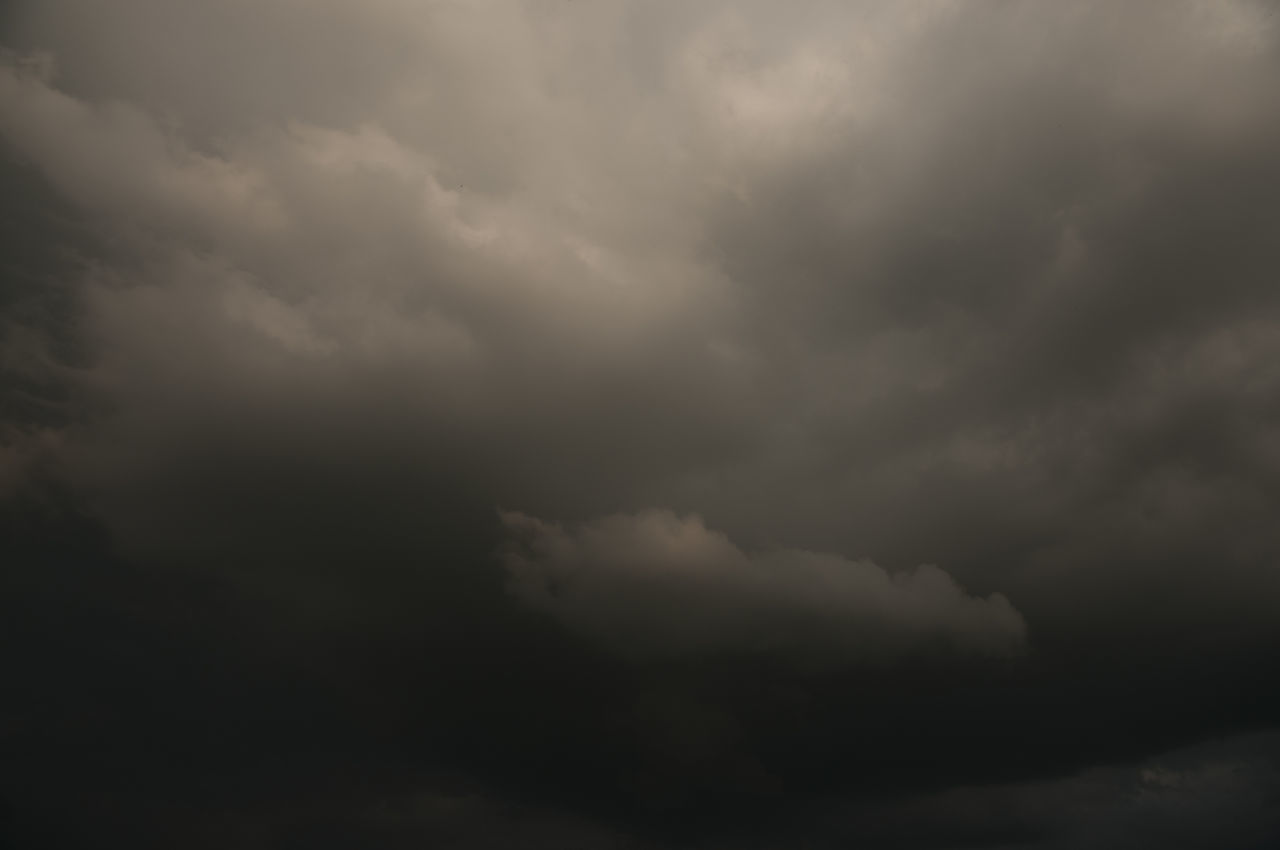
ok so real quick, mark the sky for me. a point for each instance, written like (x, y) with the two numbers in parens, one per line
(637, 424)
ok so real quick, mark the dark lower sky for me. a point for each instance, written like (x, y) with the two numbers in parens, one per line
(632, 425)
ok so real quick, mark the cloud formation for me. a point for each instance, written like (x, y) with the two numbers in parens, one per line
(296, 294)
(657, 583)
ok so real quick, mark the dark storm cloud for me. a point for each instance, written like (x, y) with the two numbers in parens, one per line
(295, 298)
(1220, 793)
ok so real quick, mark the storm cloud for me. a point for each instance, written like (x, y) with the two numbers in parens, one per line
(649, 422)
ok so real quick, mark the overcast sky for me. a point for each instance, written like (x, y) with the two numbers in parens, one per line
(637, 424)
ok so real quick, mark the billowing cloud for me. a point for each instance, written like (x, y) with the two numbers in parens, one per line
(295, 295)
(657, 583)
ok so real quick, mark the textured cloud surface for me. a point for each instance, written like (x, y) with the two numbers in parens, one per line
(294, 297)
(658, 583)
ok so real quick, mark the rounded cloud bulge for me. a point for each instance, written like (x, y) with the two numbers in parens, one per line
(658, 584)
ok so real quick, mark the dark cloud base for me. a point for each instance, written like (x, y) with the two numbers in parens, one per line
(161, 708)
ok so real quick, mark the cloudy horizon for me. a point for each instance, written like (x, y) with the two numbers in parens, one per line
(622, 424)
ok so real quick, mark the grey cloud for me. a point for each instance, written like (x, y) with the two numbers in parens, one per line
(658, 583)
(295, 294)
(318, 260)
(868, 264)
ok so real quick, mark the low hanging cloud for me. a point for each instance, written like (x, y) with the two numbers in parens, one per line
(655, 584)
